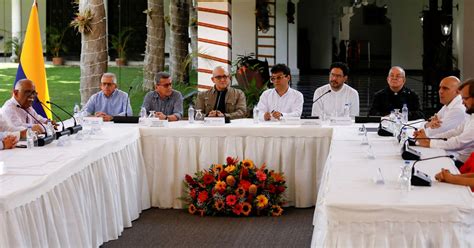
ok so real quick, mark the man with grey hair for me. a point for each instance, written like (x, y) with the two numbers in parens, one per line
(395, 96)
(15, 109)
(110, 101)
(166, 102)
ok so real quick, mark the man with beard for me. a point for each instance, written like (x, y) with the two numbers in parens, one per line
(23, 96)
(334, 96)
(460, 141)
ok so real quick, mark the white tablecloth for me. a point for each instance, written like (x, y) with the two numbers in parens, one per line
(170, 153)
(353, 211)
(74, 196)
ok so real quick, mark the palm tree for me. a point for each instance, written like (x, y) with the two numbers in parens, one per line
(193, 29)
(94, 45)
(155, 42)
(179, 39)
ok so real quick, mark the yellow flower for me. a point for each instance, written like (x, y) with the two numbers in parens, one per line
(219, 205)
(247, 163)
(246, 208)
(277, 210)
(217, 168)
(220, 186)
(262, 201)
(229, 168)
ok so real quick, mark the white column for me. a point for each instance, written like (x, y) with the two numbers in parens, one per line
(214, 39)
(293, 43)
(281, 33)
(16, 24)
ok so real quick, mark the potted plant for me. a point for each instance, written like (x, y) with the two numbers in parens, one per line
(55, 44)
(14, 44)
(119, 44)
(249, 68)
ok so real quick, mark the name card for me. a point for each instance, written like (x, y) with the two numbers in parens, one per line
(156, 122)
(291, 121)
(214, 121)
(341, 121)
(310, 122)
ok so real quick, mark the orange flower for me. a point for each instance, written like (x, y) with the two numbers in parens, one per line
(247, 163)
(262, 201)
(217, 168)
(277, 210)
(192, 209)
(253, 189)
(219, 205)
(229, 168)
(246, 208)
(240, 192)
(230, 180)
(277, 177)
(220, 186)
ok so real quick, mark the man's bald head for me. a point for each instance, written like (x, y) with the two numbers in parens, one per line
(22, 82)
(448, 89)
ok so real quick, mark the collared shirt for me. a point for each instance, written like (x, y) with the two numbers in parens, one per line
(18, 116)
(290, 104)
(113, 105)
(451, 116)
(171, 105)
(386, 100)
(333, 103)
(460, 140)
(7, 126)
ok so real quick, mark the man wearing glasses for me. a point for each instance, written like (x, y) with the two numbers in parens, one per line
(166, 102)
(333, 97)
(222, 100)
(110, 101)
(282, 101)
(395, 95)
(24, 95)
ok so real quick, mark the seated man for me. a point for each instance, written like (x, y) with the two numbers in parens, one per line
(166, 102)
(461, 139)
(395, 95)
(452, 113)
(110, 101)
(281, 101)
(222, 100)
(466, 178)
(23, 96)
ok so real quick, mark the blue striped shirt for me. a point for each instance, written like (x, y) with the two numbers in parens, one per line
(112, 105)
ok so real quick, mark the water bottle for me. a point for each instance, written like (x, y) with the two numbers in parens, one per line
(398, 126)
(142, 112)
(403, 135)
(392, 118)
(346, 110)
(405, 113)
(405, 176)
(50, 129)
(191, 114)
(77, 109)
(255, 114)
(30, 138)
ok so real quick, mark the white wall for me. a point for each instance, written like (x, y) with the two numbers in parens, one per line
(243, 27)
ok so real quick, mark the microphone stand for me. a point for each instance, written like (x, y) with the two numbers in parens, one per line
(382, 131)
(419, 178)
(58, 134)
(126, 118)
(317, 99)
(76, 128)
(46, 139)
(408, 125)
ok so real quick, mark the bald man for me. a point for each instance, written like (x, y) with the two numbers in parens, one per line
(452, 113)
(222, 100)
(23, 95)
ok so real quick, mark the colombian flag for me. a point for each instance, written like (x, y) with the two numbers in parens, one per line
(32, 63)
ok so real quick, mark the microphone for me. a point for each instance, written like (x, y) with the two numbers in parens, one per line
(58, 134)
(382, 131)
(329, 91)
(419, 178)
(128, 100)
(408, 125)
(46, 139)
(76, 128)
(126, 118)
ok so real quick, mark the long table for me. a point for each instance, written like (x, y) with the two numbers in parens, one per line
(353, 211)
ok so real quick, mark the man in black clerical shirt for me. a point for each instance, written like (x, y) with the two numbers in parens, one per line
(395, 95)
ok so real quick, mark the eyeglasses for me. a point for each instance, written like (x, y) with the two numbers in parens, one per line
(396, 76)
(165, 85)
(336, 75)
(220, 77)
(273, 79)
(105, 84)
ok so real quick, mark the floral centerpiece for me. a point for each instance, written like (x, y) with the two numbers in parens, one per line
(236, 188)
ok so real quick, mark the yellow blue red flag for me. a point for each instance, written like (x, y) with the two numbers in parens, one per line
(32, 63)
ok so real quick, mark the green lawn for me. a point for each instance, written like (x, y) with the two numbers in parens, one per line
(63, 82)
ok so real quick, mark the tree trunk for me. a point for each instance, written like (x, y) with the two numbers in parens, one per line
(179, 40)
(93, 50)
(194, 32)
(155, 43)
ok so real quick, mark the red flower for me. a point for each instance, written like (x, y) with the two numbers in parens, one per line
(223, 175)
(271, 188)
(245, 172)
(237, 209)
(280, 189)
(250, 198)
(192, 193)
(203, 196)
(208, 179)
(230, 200)
(245, 184)
(190, 180)
(231, 161)
(261, 175)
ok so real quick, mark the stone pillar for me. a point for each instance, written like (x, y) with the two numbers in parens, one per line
(287, 37)
(214, 39)
(293, 43)
(16, 25)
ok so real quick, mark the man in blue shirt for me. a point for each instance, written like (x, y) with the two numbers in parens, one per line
(166, 102)
(110, 101)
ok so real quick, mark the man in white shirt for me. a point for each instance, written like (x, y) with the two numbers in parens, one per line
(282, 101)
(23, 96)
(460, 141)
(452, 113)
(330, 99)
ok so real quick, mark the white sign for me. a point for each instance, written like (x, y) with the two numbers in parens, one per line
(214, 121)
(156, 122)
